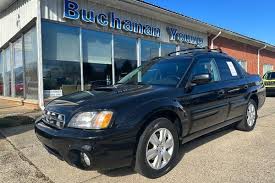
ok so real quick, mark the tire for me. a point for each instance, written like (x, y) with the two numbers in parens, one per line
(249, 121)
(150, 168)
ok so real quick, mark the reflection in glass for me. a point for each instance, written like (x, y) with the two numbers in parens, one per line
(167, 48)
(149, 50)
(166, 72)
(97, 62)
(7, 72)
(125, 55)
(30, 49)
(61, 59)
(1, 73)
(18, 68)
(186, 46)
(267, 67)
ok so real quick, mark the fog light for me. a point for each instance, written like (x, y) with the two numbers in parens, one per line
(85, 159)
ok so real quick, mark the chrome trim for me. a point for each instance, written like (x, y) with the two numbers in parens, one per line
(51, 118)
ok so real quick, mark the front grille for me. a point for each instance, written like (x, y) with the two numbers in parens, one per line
(53, 119)
(267, 83)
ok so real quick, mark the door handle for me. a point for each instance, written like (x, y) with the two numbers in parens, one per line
(245, 87)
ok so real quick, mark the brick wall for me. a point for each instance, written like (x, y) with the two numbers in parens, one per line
(245, 52)
(267, 57)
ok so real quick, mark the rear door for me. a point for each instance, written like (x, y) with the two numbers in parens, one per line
(206, 102)
(235, 85)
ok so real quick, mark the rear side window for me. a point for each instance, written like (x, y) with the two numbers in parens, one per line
(227, 68)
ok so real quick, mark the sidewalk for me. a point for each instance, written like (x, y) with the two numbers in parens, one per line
(15, 115)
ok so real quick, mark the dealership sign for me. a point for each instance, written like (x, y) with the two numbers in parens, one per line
(73, 12)
(174, 35)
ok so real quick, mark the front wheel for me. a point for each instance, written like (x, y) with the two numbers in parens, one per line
(157, 149)
(250, 118)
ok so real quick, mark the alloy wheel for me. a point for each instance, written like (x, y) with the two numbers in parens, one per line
(160, 148)
(251, 115)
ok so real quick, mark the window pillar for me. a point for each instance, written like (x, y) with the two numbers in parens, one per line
(12, 70)
(113, 60)
(24, 67)
(159, 49)
(81, 60)
(4, 72)
(138, 52)
(39, 57)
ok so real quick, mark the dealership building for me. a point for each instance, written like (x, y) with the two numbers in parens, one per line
(53, 48)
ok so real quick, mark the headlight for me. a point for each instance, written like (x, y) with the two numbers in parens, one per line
(91, 120)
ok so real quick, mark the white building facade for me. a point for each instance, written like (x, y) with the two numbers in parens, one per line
(52, 48)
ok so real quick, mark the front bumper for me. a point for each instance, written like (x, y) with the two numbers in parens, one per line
(107, 149)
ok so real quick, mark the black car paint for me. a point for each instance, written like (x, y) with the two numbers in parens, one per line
(199, 111)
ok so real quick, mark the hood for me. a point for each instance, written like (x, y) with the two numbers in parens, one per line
(103, 98)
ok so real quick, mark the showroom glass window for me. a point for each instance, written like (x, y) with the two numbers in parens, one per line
(18, 68)
(61, 59)
(97, 58)
(125, 55)
(1, 74)
(7, 72)
(149, 50)
(184, 47)
(30, 57)
(167, 48)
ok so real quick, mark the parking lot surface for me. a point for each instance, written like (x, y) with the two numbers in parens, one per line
(224, 156)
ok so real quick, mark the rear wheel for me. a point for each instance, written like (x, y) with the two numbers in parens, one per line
(249, 121)
(157, 149)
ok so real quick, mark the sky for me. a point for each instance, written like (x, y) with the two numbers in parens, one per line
(253, 18)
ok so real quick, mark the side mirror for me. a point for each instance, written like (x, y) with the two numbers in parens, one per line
(201, 79)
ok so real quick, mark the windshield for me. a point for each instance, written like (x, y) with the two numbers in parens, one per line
(270, 76)
(166, 71)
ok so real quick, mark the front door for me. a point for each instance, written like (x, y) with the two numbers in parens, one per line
(206, 102)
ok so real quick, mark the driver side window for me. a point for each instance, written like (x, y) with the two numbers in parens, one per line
(207, 66)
